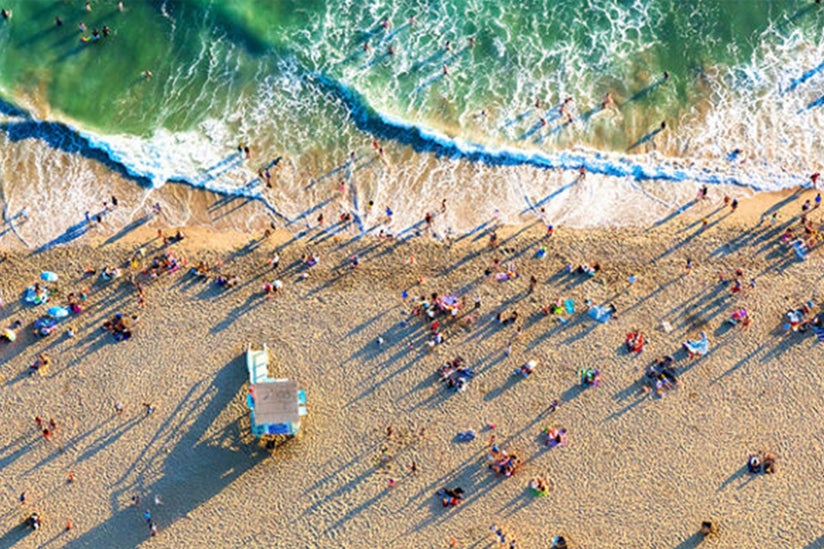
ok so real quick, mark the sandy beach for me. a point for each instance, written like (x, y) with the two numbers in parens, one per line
(638, 470)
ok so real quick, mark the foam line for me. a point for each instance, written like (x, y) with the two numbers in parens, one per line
(427, 140)
(795, 82)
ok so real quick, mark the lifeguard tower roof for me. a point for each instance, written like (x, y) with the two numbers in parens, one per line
(275, 402)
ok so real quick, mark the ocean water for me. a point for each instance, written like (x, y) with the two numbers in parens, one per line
(464, 98)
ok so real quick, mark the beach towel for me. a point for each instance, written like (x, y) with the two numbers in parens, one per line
(600, 313)
(569, 305)
(698, 347)
(800, 249)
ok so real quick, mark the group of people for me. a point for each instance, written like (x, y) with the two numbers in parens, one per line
(455, 375)
(661, 375)
(800, 319)
(555, 436)
(119, 327)
(503, 463)
(761, 462)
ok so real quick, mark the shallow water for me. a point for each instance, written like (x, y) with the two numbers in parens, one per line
(294, 80)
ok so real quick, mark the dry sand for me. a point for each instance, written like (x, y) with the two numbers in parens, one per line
(637, 472)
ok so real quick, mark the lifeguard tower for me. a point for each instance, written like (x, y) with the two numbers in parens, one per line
(275, 405)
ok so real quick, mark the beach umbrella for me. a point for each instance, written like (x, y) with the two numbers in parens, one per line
(9, 334)
(58, 312)
(49, 276)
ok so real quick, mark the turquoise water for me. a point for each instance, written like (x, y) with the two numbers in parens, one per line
(295, 80)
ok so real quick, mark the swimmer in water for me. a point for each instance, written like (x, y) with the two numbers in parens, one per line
(387, 24)
(666, 76)
(412, 21)
(663, 125)
(471, 42)
(366, 46)
(82, 26)
(58, 21)
(448, 46)
(390, 50)
(446, 70)
(147, 74)
(563, 110)
(537, 103)
(608, 101)
(6, 14)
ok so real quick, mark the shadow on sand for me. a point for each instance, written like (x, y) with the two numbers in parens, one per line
(186, 467)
